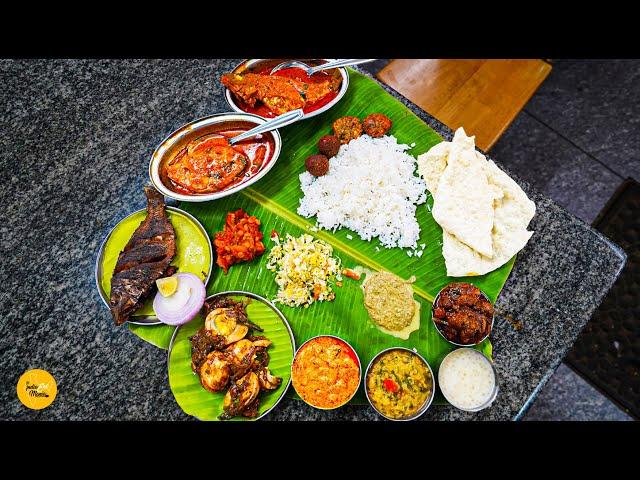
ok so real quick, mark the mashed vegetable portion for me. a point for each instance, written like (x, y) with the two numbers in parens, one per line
(390, 304)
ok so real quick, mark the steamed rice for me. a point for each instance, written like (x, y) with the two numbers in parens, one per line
(371, 189)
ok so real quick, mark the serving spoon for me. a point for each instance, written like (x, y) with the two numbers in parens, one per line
(325, 66)
(277, 122)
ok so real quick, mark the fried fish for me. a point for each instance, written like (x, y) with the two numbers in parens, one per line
(144, 259)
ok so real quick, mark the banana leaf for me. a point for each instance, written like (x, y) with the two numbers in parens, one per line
(185, 385)
(274, 200)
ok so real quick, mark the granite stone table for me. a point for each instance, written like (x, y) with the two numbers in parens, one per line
(76, 137)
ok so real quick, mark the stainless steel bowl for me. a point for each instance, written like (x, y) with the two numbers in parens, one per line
(275, 309)
(462, 344)
(359, 370)
(182, 136)
(151, 319)
(493, 395)
(260, 63)
(427, 403)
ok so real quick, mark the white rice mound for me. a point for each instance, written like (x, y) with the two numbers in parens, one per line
(370, 188)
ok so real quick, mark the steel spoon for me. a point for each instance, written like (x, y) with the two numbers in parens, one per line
(277, 122)
(325, 66)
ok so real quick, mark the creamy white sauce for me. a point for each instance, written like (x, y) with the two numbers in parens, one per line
(466, 378)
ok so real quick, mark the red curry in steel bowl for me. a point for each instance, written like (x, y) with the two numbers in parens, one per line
(252, 88)
(197, 162)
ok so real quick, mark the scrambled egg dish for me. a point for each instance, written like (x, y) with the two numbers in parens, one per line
(305, 270)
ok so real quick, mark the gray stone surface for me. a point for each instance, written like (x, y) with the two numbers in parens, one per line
(75, 141)
(594, 103)
(567, 396)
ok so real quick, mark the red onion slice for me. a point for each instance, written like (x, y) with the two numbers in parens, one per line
(184, 304)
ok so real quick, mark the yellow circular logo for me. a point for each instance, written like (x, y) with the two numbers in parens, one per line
(37, 389)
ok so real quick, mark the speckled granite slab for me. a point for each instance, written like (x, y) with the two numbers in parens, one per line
(76, 137)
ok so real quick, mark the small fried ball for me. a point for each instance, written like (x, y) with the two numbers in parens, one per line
(347, 129)
(329, 145)
(376, 124)
(317, 165)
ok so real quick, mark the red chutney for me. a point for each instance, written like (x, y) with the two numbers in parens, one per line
(294, 73)
(210, 164)
(239, 241)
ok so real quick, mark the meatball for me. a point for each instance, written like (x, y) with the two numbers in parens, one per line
(376, 124)
(347, 128)
(317, 165)
(329, 145)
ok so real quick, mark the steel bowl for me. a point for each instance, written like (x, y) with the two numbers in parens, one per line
(462, 344)
(427, 403)
(491, 397)
(177, 140)
(260, 63)
(263, 300)
(359, 371)
(151, 319)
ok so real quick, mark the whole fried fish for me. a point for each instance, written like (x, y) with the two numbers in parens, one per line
(145, 258)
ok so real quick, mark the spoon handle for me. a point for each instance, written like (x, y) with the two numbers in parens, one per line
(277, 122)
(339, 63)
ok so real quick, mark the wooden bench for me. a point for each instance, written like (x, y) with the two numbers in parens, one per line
(483, 96)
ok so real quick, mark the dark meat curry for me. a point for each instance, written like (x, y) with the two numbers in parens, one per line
(463, 313)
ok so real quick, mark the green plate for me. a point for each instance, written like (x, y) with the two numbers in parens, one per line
(274, 200)
(193, 254)
(185, 385)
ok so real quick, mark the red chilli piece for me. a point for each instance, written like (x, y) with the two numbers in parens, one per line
(390, 385)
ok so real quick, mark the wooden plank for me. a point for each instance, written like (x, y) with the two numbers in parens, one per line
(484, 96)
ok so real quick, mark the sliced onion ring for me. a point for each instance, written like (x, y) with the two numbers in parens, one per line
(184, 304)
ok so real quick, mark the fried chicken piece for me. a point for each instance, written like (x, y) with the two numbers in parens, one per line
(462, 313)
